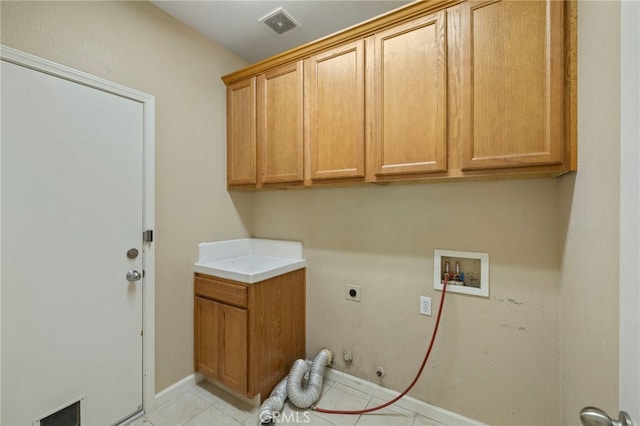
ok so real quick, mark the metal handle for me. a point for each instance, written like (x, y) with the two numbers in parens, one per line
(592, 416)
(134, 276)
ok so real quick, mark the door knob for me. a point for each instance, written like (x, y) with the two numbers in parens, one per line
(134, 276)
(592, 416)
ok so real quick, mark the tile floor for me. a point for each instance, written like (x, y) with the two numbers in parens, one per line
(207, 405)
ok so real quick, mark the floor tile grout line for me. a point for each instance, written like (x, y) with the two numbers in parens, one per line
(412, 416)
(225, 404)
(201, 399)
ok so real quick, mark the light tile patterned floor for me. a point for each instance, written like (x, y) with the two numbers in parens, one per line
(207, 405)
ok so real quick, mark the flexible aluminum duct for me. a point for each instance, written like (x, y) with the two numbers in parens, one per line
(274, 403)
(304, 397)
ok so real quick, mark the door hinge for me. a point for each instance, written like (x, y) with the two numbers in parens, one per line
(147, 236)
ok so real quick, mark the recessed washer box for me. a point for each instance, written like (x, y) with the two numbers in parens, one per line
(468, 272)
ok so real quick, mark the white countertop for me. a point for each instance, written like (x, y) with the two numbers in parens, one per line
(249, 260)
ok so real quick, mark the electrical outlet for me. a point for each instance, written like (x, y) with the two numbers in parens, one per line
(425, 305)
(352, 292)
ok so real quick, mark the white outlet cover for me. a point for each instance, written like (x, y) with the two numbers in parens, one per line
(425, 305)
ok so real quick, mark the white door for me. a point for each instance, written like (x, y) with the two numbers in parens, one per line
(72, 206)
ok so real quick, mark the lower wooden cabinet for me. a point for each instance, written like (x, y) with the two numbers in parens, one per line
(247, 336)
(222, 343)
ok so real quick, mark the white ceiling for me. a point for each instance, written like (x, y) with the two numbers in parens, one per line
(235, 23)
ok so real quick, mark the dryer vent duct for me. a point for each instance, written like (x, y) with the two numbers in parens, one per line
(279, 22)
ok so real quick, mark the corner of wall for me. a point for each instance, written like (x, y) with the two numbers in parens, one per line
(589, 223)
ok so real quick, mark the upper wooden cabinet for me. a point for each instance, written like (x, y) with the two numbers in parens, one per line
(241, 133)
(436, 90)
(280, 125)
(334, 111)
(512, 74)
(408, 102)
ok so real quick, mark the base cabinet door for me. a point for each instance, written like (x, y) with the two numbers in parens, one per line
(221, 343)
(233, 347)
(207, 336)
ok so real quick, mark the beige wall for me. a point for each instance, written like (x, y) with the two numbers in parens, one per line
(590, 222)
(138, 45)
(514, 358)
(546, 343)
(496, 359)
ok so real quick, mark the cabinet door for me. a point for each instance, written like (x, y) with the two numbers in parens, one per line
(280, 121)
(233, 347)
(512, 83)
(334, 112)
(207, 336)
(241, 133)
(409, 100)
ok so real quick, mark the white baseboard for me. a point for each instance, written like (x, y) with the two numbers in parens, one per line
(177, 388)
(436, 413)
(254, 402)
(192, 380)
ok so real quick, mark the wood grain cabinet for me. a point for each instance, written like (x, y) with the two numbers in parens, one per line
(408, 100)
(476, 89)
(511, 66)
(280, 124)
(222, 342)
(247, 336)
(241, 133)
(335, 113)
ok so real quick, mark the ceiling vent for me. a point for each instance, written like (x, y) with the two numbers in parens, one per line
(279, 22)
